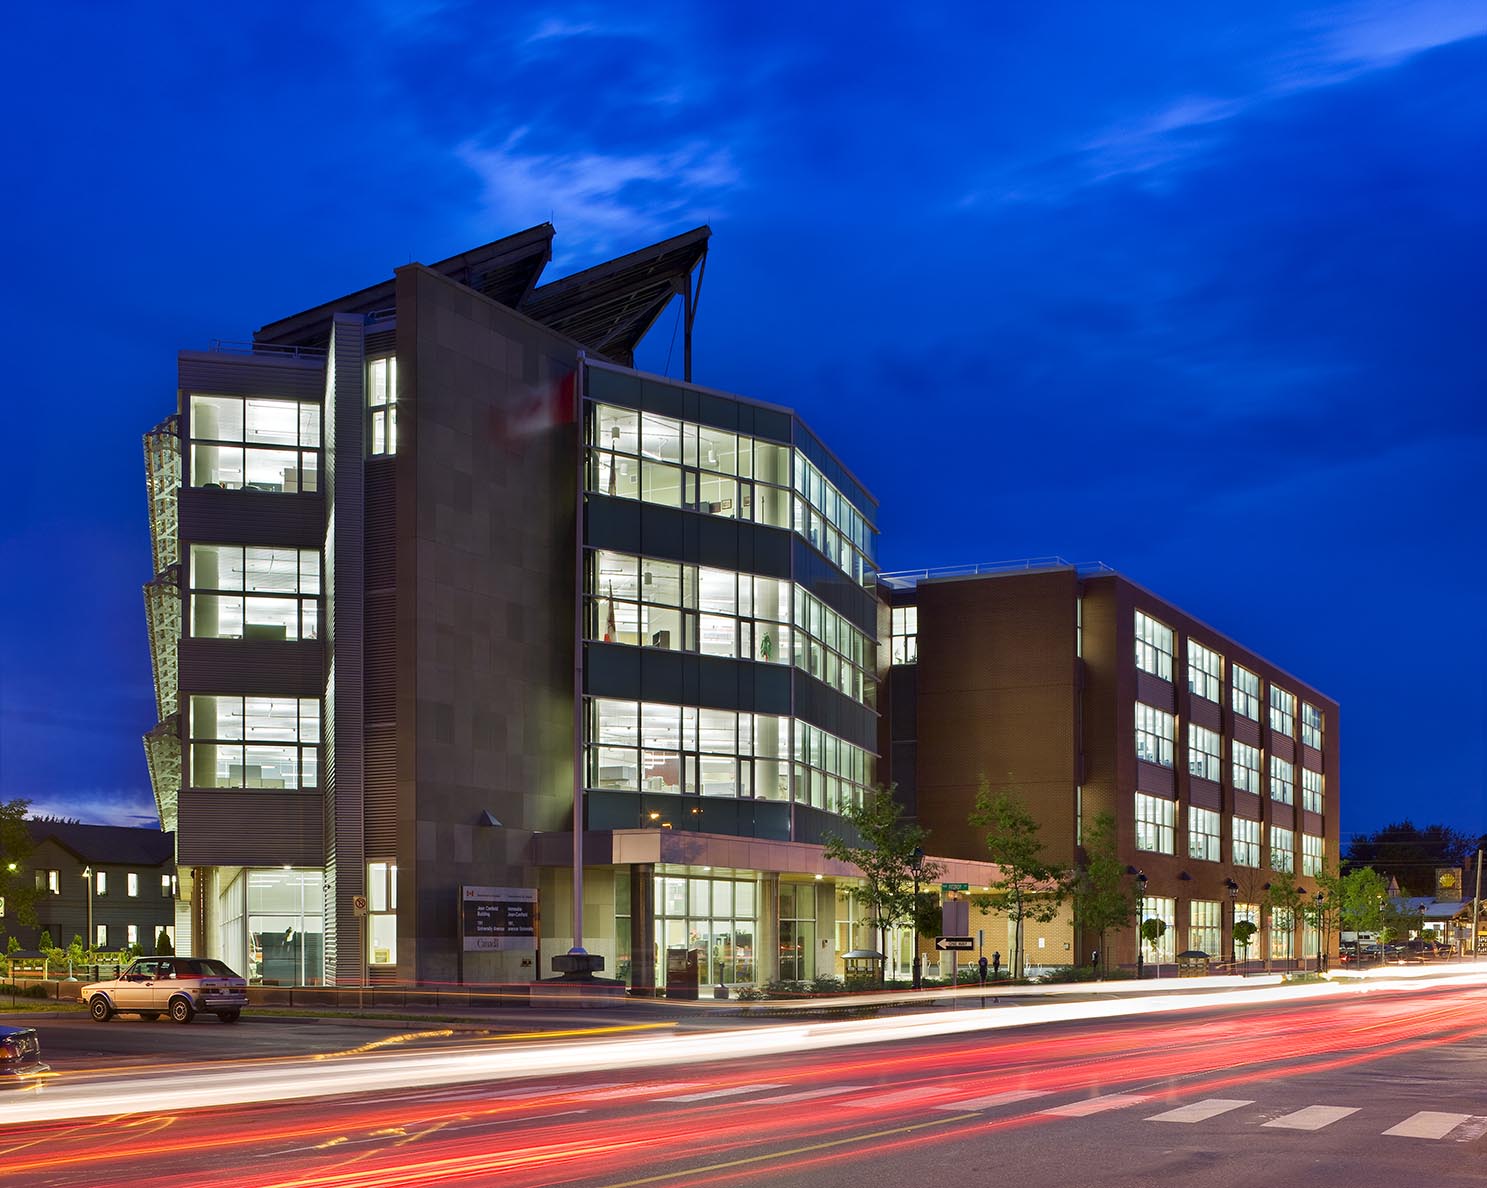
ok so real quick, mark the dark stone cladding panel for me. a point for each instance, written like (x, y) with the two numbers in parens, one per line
(689, 404)
(231, 827)
(251, 517)
(671, 534)
(684, 678)
(833, 587)
(1155, 779)
(835, 712)
(252, 667)
(226, 374)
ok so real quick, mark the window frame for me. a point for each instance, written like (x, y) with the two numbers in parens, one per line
(1205, 837)
(1155, 822)
(1244, 692)
(1155, 646)
(1205, 672)
(1203, 762)
(1149, 720)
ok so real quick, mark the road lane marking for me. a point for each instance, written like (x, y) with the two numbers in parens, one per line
(994, 1100)
(1428, 1124)
(805, 1095)
(1096, 1105)
(1312, 1117)
(732, 1091)
(1200, 1111)
(898, 1097)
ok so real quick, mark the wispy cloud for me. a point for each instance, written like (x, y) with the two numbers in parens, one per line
(600, 199)
(100, 806)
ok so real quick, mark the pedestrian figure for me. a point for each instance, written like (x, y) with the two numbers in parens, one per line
(996, 965)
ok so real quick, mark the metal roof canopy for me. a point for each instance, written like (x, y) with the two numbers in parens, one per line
(607, 308)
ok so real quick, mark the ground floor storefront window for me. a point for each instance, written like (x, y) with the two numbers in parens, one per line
(272, 926)
(715, 917)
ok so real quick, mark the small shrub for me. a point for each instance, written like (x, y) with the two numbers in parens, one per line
(752, 994)
(827, 984)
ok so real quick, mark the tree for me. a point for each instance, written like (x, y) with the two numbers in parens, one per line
(1410, 854)
(17, 883)
(46, 943)
(1028, 887)
(1244, 935)
(1102, 894)
(1285, 896)
(1361, 894)
(163, 947)
(885, 856)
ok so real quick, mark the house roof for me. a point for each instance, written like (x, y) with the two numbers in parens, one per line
(108, 845)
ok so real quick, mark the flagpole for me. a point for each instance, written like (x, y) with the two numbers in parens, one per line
(578, 701)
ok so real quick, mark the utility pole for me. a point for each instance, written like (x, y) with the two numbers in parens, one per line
(1476, 903)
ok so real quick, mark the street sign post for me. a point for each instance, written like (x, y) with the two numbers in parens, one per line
(955, 886)
(952, 944)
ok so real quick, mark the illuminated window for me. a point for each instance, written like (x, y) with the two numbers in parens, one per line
(1205, 671)
(1159, 907)
(382, 404)
(1311, 790)
(1282, 711)
(1155, 824)
(1203, 926)
(100, 882)
(1313, 850)
(131, 883)
(1246, 693)
(1153, 735)
(382, 913)
(255, 443)
(49, 882)
(1282, 933)
(1246, 842)
(905, 634)
(100, 936)
(1311, 726)
(1203, 834)
(254, 742)
(1153, 647)
(131, 934)
(1246, 913)
(1204, 753)
(1282, 781)
(1282, 850)
(167, 886)
(254, 592)
(1246, 767)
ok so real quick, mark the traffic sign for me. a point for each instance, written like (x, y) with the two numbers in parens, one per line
(955, 886)
(359, 904)
(947, 943)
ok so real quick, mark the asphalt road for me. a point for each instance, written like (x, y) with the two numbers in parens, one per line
(1383, 1088)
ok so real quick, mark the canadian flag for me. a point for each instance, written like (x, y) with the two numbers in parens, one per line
(609, 627)
(536, 410)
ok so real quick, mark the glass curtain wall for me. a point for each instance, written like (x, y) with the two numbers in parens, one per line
(253, 443)
(797, 931)
(286, 943)
(716, 917)
(249, 592)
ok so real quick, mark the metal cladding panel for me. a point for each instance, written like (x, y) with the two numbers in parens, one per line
(1247, 805)
(1206, 794)
(1282, 747)
(1313, 823)
(259, 517)
(1246, 730)
(252, 667)
(1155, 779)
(381, 779)
(1202, 712)
(228, 374)
(224, 827)
(381, 523)
(379, 703)
(1311, 758)
(1154, 691)
(1283, 815)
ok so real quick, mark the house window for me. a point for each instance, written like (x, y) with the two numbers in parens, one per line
(1203, 926)
(1246, 842)
(254, 742)
(1153, 735)
(1282, 850)
(1246, 693)
(131, 934)
(1204, 753)
(254, 592)
(382, 913)
(1153, 646)
(100, 936)
(382, 404)
(1203, 834)
(100, 882)
(1154, 824)
(1205, 671)
(1311, 726)
(167, 886)
(1311, 790)
(1282, 781)
(49, 882)
(131, 884)
(1313, 849)
(1246, 767)
(252, 443)
(1282, 711)
(905, 634)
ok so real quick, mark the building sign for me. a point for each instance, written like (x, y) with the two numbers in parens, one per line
(498, 919)
(1447, 885)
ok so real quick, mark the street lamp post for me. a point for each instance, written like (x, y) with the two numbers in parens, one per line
(1322, 931)
(1140, 920)
(1233, 889)
(88, 875)
(917, 863)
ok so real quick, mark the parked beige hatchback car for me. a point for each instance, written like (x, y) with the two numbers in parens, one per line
(178, 986)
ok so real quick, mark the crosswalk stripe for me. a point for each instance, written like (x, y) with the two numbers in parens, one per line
(888, 1099)
(1428, 1124)
(1312, 1117)
(731, 1091)
(1200, 1111)
(1096, 1105)
(804, 1095)
(991, 1102)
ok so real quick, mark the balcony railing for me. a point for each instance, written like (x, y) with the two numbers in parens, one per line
(907, 579)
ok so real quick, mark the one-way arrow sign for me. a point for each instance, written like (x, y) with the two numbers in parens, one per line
(945, 943)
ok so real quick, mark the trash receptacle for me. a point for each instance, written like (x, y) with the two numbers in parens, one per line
(1192, 963)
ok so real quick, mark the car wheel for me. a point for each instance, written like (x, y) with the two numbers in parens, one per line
(149, 1016)
(100, 1009)
(181, 1010)
(229, 1016)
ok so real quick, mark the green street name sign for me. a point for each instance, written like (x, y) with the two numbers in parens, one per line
(955, 886)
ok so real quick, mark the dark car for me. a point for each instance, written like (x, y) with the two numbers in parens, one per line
(20, 1056)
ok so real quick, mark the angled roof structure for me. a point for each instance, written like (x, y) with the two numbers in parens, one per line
(607, 308)
(107, 845)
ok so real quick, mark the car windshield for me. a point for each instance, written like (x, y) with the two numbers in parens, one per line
(213, 969)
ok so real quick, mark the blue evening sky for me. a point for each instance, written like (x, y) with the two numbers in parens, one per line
(1194, 290)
